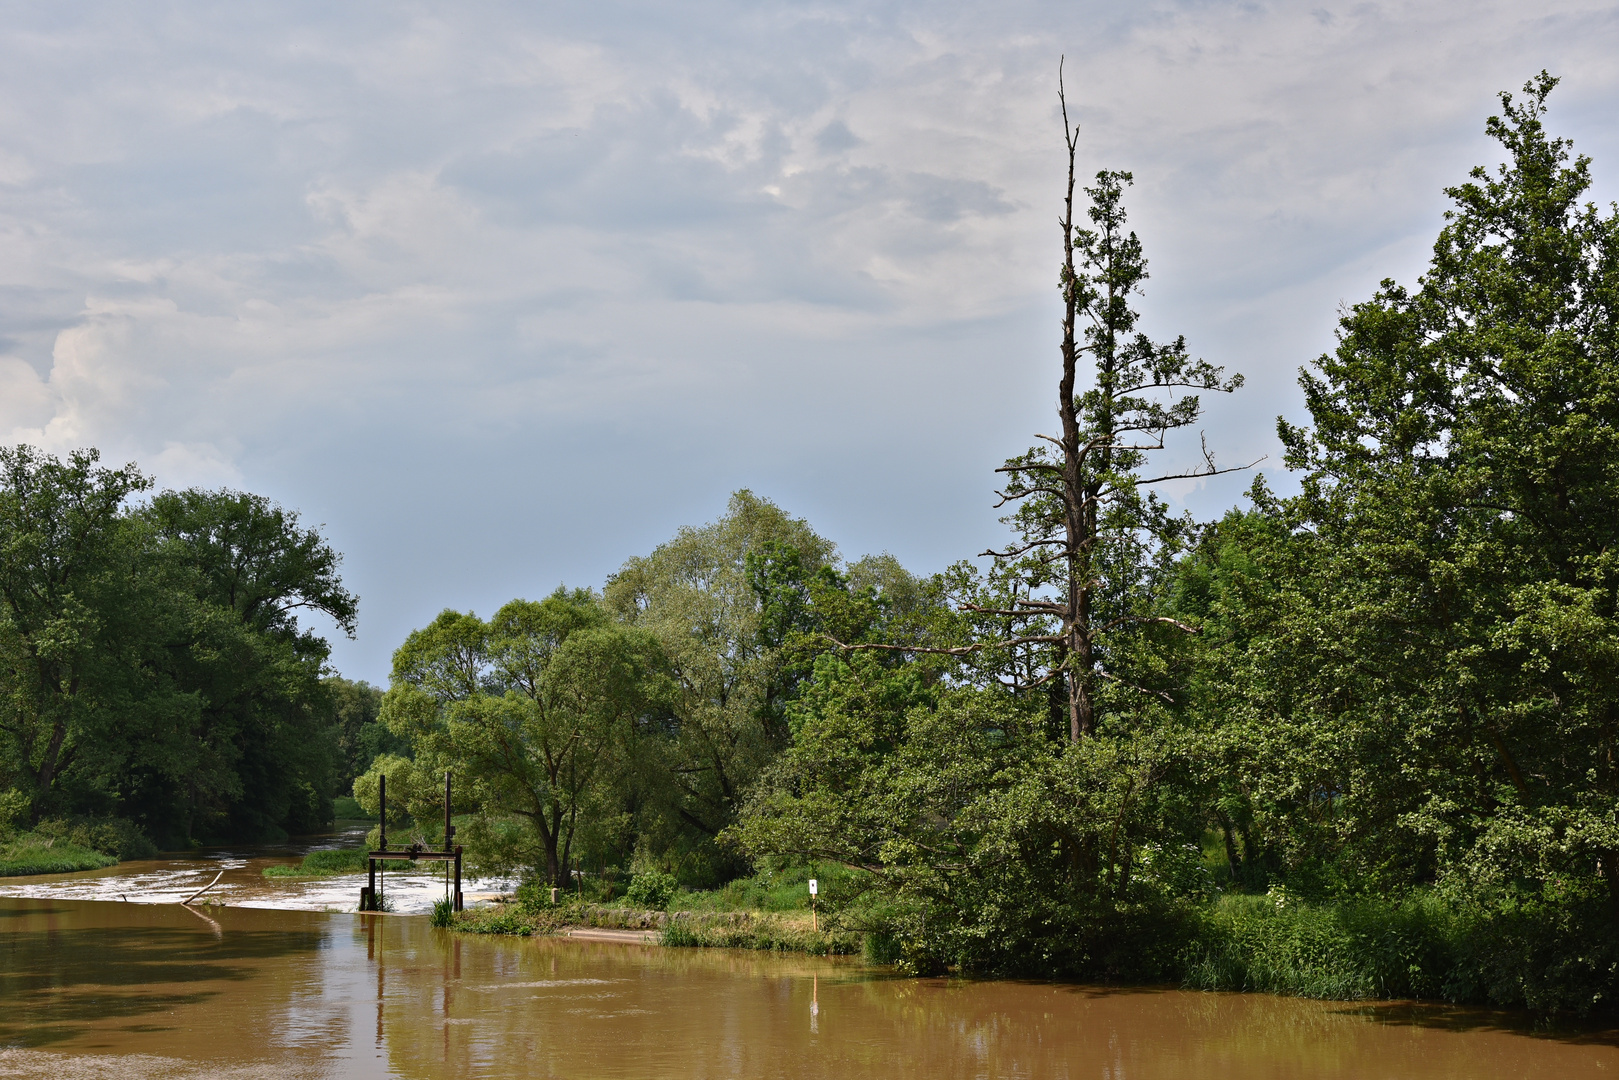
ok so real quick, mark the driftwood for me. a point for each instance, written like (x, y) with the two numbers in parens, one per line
(204, 889)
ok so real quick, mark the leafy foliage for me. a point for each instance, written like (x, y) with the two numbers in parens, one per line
(152, 662)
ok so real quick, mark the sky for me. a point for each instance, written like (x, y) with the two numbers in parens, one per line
(500, 295)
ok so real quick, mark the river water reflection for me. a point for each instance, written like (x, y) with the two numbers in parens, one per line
(132, 990)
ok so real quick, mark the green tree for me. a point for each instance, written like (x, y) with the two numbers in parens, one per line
(1079, 586)
(151, 661)
(263, 753)
(71, 633)
(540, 712)
(1009, 841)
(1462, 499)
(694, 594)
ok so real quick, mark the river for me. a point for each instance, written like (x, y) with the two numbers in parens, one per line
(99, 988)
(410, 888)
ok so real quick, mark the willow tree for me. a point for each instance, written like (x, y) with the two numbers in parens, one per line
(538, 712)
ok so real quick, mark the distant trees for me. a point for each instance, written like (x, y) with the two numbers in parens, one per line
(696, 597)
(629, 728)
(152, 666)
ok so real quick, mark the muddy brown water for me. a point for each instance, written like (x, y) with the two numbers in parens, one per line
(98, 989)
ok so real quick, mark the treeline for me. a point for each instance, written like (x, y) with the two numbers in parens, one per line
(1360, 740)
(622, 729)
(1356, 741)
(156, 685)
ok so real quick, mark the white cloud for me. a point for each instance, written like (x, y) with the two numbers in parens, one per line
(572, 272)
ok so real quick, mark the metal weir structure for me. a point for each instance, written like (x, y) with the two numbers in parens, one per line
(370, 898)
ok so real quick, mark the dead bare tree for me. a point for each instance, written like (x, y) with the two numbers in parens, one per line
(1083, 489)
(1080, 494)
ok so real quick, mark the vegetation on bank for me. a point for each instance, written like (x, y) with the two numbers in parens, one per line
(67, 845)
(1555, 955)
(1359, 741)
(32, 854)
(321, 864)
(759, 930)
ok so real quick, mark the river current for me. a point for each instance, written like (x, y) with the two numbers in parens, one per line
(109, 988)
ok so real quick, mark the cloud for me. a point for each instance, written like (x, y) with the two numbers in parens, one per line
(504, 293)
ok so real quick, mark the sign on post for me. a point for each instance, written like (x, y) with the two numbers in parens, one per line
(815, 921)
(813, 887)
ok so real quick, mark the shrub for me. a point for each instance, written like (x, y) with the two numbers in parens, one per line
(1554, 955)
(652, 889)
(1350, 950)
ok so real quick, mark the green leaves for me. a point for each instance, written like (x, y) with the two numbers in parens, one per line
(1453, 649)
(151, 658)
(541, 713)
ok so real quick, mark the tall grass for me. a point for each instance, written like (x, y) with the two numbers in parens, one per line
(1554, 956)
(1346, 951)
(747, 930)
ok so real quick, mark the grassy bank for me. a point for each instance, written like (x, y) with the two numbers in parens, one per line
(31, 854)
(320, 864)
(67, 845)
(773, 931)
(1554, 956)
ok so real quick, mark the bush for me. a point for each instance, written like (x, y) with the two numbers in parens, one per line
(1347, 951)
(652, 889)
(1553, 955)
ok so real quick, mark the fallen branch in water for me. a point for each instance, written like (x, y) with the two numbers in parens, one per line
(204, 889)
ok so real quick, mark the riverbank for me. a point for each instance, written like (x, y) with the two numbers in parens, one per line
(1554, 960)
(758, 930)
(31, 855)
(68, 846)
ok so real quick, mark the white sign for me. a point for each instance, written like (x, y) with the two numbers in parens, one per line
(813, 887)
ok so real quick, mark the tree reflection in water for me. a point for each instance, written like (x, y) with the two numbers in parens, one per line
(133, 990)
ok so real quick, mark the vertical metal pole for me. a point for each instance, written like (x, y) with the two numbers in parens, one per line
(370, 885)
(457, 879)
(382, 808)
(449, 830)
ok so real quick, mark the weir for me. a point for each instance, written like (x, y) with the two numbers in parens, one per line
(369, 898)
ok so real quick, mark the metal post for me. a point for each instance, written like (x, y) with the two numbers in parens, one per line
(382, 807)
(449, 830)
(458, 904)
